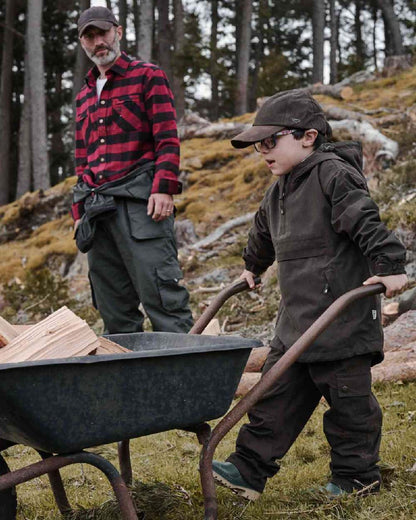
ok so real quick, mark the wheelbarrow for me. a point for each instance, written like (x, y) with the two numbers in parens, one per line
(62, 407)
(52, 463)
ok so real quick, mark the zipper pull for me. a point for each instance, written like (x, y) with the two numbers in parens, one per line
(326, 289)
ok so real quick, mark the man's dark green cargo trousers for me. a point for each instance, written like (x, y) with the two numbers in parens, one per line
(134, 260)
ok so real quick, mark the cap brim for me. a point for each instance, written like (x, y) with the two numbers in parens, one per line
(254, 135)
(101, 24)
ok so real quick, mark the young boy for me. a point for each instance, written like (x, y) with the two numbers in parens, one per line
(321, 225)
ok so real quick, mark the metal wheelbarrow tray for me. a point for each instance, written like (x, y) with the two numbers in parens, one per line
(169, 381)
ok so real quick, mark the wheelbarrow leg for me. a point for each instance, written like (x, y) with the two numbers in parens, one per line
(57, 486)
(125, 461)
(56, 462)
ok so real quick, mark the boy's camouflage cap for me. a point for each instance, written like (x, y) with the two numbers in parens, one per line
(287, 109)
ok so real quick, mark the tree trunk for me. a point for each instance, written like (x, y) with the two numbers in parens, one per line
(24, 173)
(258, 55)
(122, 19)
(213, 69)
(374, 34)
(164, 39)
(37, 96)
(395, 47)
(145, 40)
(318, 26)
(5, 102)
(243, 58)
(359, 44)
(82, 63)
(178, 85)
(136, 15)
(333, 43)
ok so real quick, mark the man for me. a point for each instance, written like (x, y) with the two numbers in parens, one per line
(127, 161)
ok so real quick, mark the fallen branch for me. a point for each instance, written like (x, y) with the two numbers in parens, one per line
(215, 235)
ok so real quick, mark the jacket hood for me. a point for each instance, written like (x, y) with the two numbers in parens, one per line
(348, 151)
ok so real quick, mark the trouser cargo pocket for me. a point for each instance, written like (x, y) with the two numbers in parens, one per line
(172, 295)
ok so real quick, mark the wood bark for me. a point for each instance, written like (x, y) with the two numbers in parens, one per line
(5, 101)
(395, 43)
(82, 63)
(122, 19)
(333, 43)
(213, 67)
(359, 43)
(144, 42)
(37, 96)
(318, 26)
(24, 172)
(243, 58)
(164, 37)
(178, 84)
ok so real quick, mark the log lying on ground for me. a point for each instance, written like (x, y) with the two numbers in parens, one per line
(364, 131)
(7, 332)
(62, 334)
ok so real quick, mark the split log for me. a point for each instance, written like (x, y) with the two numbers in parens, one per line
(215, 235)
(247, 381)
(7, 332)
(257, 359)
(398, 365)
(107, 346)
(60, 335)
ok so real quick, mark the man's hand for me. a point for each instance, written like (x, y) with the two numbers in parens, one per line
(249, 277)
(160, 206)
(393, 283)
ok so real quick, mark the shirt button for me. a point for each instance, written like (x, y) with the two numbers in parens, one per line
(101, 121)
(102, 102)
(102, 159)
(100, 176)
(102, 140)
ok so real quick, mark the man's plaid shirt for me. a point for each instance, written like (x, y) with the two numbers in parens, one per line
(134, 122)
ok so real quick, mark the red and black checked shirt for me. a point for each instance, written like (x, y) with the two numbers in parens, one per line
(134, 122)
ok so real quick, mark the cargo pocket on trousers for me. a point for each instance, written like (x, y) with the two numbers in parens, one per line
(172, 295)
(142, 226)
(353, 385)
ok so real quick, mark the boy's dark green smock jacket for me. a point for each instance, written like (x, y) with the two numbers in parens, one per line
(321, 225)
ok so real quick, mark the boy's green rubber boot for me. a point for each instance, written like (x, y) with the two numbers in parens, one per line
(227, 475)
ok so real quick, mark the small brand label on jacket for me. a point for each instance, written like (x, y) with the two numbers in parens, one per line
(374, 314)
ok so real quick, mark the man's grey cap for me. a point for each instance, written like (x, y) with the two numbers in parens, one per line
(288, 109)
(97, 16)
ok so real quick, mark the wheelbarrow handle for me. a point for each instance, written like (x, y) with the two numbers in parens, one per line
(218, 302)
(266, 383)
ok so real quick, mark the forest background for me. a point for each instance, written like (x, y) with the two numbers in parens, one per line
(220, 57)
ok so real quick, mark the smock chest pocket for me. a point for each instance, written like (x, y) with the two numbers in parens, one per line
(298, 248)
(126, 113)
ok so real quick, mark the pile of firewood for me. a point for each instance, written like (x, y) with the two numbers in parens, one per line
(60, 335)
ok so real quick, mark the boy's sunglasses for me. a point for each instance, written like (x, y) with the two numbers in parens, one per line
(270, 142)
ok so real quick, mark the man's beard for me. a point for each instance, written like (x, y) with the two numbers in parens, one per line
(113, 52)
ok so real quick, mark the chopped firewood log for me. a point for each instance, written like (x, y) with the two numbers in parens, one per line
(7, 332)
(109, 347)
(60, 335)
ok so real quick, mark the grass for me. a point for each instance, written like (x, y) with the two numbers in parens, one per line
(167, 482)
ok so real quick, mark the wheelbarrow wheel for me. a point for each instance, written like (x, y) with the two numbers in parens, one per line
(8, 500)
